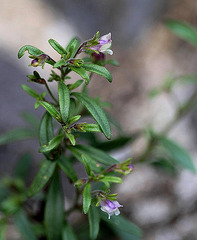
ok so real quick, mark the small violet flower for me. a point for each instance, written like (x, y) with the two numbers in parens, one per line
(39, 60)
(110, 207)
(104, 44)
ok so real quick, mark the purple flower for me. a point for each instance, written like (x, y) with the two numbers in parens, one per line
(104, 44)
(131, 167)
(110, 207)
(39, 60)
(98, 57)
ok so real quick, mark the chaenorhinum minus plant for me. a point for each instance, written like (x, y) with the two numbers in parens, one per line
(62, 131)
(39, 212)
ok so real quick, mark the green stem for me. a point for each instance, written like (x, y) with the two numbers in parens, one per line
(51, 94)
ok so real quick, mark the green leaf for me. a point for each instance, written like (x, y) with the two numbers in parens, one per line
(125, 235)
(183, 30)
(71, 137)
(67, 167)
(98, 70)
(54, 210)
(165, 165)
(57, 47)
(46, 129)
(72, 47)
(177, 154)
(112, 62)
(31, 119)
(74, 119)
(52, 110)
(30, 91)
(82, 72)
(17, 135)
(111, 179)
(94, 153)
(31, 50)
(75, 85)
(116, 143)
(121, 224)
(42, 177)
(68, 233)
(36, 105)
(3, 229)
(64, 100)
(24, 226)
(96, 111)
(60, 63)
(94, 221)
(86, 197)
(72, 111)
(86, 163)
(53, 143)
(22, 168)
(91, 127)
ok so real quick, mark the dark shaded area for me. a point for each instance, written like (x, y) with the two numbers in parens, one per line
(13, 102)
(126, 19)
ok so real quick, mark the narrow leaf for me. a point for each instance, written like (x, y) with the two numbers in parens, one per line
(71, 137)
(46, 129)
(72, 110)
(112, 62)
(72, 47)
(178, 154)
(122, 224)
(53, 143)
(31, 119)
(57, 47)
(91, 128)
(86, 197)
(54, 210)
(44, 174)
(52, 110)
(68, 233)
(82, 72)
(30, 91)
(94, 220)
(75, 85)
(67, 167)
(96, 111)
(74, 119)
(86, 163)
(3, 229)
(24, 226)
(94, 68)
(31, 50)
(17, 134)
(22, 168)
(94, 153)
(183, 30)
(112, 179)
(60, 63)
(64, 100)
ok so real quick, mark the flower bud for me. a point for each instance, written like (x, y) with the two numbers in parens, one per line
(80, 182)
(39, 60)
(35, 62)
(98, 57)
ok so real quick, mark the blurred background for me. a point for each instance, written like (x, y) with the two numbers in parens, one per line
(162, 204)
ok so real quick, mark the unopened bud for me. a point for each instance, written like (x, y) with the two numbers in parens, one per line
(35, 62)
(80, 182)
(98, 57)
